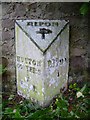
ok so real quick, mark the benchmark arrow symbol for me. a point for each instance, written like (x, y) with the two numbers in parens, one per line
(44, 31)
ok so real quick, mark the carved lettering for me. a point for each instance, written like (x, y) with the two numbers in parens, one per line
(34, 62)
(56, 62)
(30, 60)
(18, 58)
(30, 65)
(26, 60)
(22, 59)
(47, 24)
(29, 23)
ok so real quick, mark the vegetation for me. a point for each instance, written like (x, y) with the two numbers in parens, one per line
(72, 104)
(84, 10)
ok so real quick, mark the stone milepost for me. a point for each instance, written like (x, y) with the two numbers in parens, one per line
(42, 58)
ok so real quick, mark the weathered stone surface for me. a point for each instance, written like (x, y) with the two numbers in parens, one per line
(77, 62)
(7, 23)
(6, 9)
(78, 52)
(42, 58)
(6, 35)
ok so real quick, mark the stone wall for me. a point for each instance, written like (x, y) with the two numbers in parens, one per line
(78, 36)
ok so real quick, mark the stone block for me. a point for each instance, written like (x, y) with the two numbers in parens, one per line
(42, 58)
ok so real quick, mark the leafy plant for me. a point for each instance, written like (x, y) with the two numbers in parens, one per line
(85, 8)
(65, 106)
(74, 87)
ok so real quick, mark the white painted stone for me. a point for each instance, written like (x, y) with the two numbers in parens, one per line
(48, 56)
(52, 81)
(31, 87)
(42, 58)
